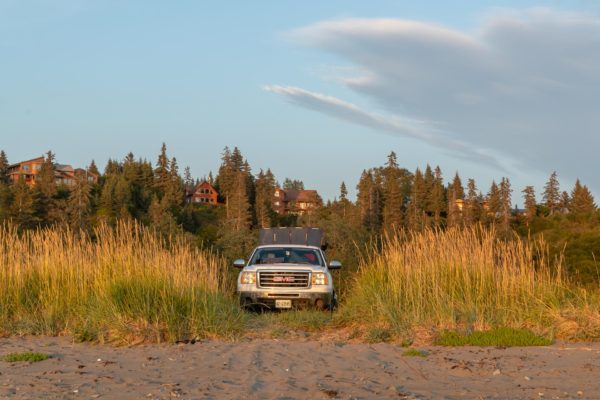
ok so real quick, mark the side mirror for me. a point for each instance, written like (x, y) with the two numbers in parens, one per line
(239, 263)
(335, 264)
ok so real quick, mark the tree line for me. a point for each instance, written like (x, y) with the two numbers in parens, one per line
(389, 198)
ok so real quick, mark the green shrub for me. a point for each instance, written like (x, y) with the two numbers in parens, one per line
(25, 356)
(506, 337)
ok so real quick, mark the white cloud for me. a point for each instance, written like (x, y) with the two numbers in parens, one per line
(394, 125)
(525, 84)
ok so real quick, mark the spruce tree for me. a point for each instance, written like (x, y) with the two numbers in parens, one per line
(344, 202)
(92, 168)
(45, 191)
(455, 202)
(369, 201)
(494, 202)
(564, 204)
(582, 201)
(239, 206)
(505, 204)
(551, 195)
(3, 167)
(79, 203)
(265, 189)
(392, 206)
(472, 206)
(436, 194)
(162, 173)
(22, 207)
(416, 208)
(530, 203)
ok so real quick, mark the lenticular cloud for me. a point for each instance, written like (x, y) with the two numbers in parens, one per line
(523, 84)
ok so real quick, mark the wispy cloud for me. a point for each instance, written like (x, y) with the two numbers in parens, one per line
(389, 124)
(524, 84)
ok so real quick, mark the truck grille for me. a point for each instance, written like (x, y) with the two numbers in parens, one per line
(286, 279)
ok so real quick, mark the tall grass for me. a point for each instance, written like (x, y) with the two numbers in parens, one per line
(126, 284)
(469, 279)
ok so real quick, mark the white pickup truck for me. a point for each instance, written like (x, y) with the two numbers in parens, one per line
(288, 269)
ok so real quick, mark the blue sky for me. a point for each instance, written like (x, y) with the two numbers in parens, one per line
(316, 91)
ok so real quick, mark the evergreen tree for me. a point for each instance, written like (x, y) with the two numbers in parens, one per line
(505, 204)
(3, 167)
(46, 181)
(455, 202)
(530, 203)
(369, 201)
(92, 168)
(265, 188)
(344, 202)
(436, 202)
(45, 191)
(188, 180)
(418, 202)
(551, 195)
(22, 207)
(161, 218)
(113, 167)
(582, 201)
(79, 203)
(494, 202)
(289, 184)
(564, 204)
(239, 206)
(472, 206)
(392, 206)
(162, 174)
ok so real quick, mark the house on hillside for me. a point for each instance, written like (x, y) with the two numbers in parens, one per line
(26, 170)
(64, 174)
(296, 202)
(203, 193)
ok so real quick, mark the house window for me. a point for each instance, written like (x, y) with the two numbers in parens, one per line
(276, 193)
(37, 167)
(25, 167)
(276, 203)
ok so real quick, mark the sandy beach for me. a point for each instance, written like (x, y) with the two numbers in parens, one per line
(280, 369)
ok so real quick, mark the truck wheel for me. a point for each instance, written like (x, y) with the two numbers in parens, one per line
(334, 302)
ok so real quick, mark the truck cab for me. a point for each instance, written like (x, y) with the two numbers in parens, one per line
(288, 269)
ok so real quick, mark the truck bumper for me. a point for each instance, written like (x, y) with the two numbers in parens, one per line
(266, 299)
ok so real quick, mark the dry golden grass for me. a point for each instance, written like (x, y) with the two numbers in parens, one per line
(468, 279)
(123, 284)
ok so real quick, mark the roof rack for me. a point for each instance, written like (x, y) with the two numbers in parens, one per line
(298, 236)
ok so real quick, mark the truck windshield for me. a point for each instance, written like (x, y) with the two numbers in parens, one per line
(286, 255)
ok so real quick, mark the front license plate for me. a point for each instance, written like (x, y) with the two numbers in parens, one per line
(283, 304)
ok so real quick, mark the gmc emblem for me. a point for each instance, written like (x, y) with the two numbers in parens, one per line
(286, 279)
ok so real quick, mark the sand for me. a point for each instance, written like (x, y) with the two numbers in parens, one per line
(283, 369)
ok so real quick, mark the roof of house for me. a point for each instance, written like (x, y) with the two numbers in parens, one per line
(26, 161)
(308, 196)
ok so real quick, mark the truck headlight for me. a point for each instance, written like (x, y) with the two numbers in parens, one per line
(319, 278)
(248, 278)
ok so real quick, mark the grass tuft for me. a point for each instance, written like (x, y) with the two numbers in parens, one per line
(378, 335)
(415, 353)
(25, 356)
(506, 337)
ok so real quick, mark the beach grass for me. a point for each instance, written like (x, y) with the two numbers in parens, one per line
(125, 284)
(469, 279)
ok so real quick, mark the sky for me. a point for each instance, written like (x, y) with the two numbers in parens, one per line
(316, 91)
